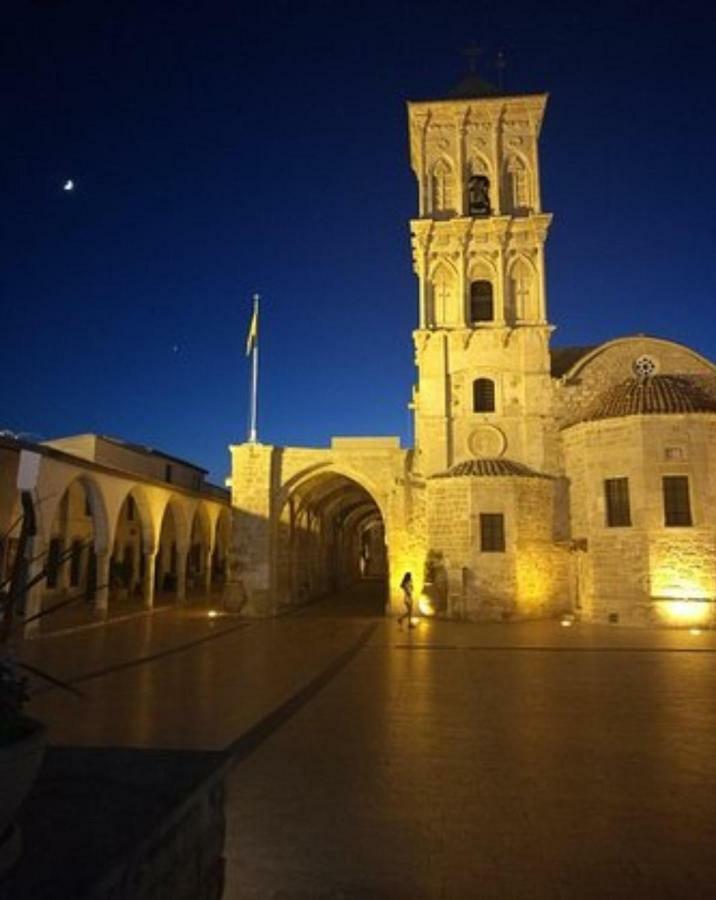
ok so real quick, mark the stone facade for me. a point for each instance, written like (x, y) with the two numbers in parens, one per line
(500, 511)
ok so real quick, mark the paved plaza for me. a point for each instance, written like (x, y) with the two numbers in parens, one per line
(452, 760)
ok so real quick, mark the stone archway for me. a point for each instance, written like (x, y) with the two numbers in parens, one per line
(132, 544)
(76, 552)
(200, 548)
(222, 542)
(170, 566)
(330, 539)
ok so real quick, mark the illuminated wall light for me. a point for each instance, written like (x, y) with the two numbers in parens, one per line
(534, 580)
(695, 610)
(213, 614)
(672, 579)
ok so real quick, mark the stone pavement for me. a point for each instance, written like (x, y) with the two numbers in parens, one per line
(453, 760)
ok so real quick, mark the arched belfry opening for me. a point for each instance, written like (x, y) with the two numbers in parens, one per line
(331, 544)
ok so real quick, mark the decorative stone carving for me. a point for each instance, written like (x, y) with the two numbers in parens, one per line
(522, 304)
(486, 441)
(421, 340)
(442, 186)
(645, 365)
(444, 290)
(516, 125)
(518, 183)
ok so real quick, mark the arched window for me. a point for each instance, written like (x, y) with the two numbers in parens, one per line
(483, 395)
(446, 303)
(478, 195)
(481, 304)
(442, 187)
(522, 292)
(518, 184)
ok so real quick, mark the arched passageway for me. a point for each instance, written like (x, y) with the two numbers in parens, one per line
(331, 539)
(222, 542)
(199, 560)
(71, 553)
(128, 565)
(169, 580)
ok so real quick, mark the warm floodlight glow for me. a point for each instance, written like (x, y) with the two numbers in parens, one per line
(694, 611)
(425, 605)
(675, 578)
(213, 614)
(566, 622)
(694, 631)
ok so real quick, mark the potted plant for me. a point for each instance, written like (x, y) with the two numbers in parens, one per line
(22, 739)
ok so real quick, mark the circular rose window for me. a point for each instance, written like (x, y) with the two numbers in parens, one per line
(486, 441)
(644, 366)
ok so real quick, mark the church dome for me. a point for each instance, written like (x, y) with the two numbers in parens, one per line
(490, 468)
(655, 395)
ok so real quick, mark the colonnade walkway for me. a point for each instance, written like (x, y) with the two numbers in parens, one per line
(451, 760)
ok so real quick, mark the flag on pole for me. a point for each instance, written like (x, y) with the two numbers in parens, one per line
(253, 335)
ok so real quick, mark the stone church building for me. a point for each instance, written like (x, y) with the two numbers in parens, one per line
(543, 480)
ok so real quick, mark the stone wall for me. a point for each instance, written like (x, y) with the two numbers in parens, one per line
(646, 572)
(183, 859)
(530, 579)
(249, 578)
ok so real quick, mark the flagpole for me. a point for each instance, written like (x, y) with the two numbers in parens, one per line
(254, 377)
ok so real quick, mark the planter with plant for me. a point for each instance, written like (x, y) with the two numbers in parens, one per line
(22, 739)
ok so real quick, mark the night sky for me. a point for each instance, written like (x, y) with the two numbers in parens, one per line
(224, 148)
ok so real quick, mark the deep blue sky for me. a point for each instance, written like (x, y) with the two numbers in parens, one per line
(224, 148)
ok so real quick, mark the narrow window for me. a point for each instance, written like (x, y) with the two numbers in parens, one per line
(492, 533)
(519, 184)
(616, 492)
(53, 562)
(168, 473)
(483, 395)
(481, 305)
(677, 505)
(130, 508)
(88, 507)
(442, 187)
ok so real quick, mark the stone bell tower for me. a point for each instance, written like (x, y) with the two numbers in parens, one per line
(482, 342)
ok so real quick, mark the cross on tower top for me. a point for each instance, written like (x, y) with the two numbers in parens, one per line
(471, 53)
(500, 65)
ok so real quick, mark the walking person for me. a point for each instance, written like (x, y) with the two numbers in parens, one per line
(406, 586)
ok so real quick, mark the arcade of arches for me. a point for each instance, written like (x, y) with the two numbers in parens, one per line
(180, 561)
(112, 543)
